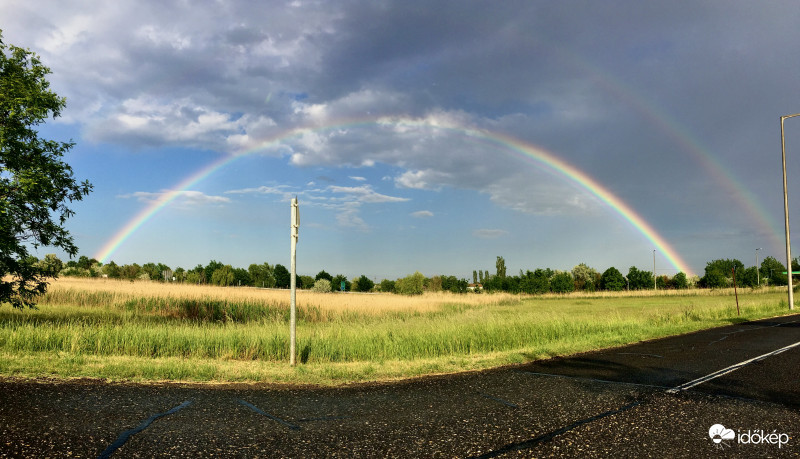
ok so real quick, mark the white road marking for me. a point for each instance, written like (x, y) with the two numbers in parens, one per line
(732, 368)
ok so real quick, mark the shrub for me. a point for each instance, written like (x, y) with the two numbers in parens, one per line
(322, 285)
(410, 285)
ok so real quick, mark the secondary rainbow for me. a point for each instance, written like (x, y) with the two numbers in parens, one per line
(539, 155)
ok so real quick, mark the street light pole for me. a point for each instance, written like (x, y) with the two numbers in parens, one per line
(655, 284)
(758, 274)
(786, 213)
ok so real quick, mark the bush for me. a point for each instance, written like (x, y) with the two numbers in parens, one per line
(387, 286)
(322, 285)
(410, 285)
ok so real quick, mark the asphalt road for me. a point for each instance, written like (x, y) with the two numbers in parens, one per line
(652, 399)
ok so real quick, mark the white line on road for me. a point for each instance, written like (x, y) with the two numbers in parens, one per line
(732, 368)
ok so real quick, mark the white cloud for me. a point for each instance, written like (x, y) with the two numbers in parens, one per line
(489, 233)
(185, 198)
(364, 194)
(358, 179)
(422, 214)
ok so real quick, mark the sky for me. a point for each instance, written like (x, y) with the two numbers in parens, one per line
(424, 136)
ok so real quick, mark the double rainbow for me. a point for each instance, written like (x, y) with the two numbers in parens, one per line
(538, 155)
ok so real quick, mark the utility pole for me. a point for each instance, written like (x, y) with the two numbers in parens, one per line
(758, 273)
(655, 284)
(295, 225)
(786, 214)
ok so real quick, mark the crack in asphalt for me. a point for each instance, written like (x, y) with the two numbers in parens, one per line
(145, 424)
(274, 418)
(527, 444)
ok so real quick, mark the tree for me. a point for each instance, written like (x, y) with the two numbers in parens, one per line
(585, 277)
(562, 282)
(111, 270)
(680, 281)
(501, 267)
(322, 285)
(261, 275)
(282, 276)
(323, 275)
(223, 276)
(364, 284)
(639, 280)
(387, 286)
(51, 265)
(612, 280)
(773, 270)
(36, 186)
(719, 273)
(410, 285)
(336, 283)
(474, 276)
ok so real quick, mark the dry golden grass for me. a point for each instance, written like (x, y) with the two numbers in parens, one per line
(119, 291)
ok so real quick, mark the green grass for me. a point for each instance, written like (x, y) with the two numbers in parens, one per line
(219, 341)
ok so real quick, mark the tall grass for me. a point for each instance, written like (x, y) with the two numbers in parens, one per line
(90, 323)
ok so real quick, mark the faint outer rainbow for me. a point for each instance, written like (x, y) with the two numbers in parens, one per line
(505, 141)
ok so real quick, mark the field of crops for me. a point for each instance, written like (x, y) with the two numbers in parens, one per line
(155, 331)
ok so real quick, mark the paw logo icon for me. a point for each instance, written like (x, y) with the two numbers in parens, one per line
(719, 434)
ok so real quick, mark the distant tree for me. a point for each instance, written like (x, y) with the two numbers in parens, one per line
(410, 285)
(323, 275)
(536, 282)
(434, 284)
(680, 281)
(364, 284)
(130, 272)
(639, 280)
(242, 276)
(585, 277)
(322, 285)
(84, 262)
(501, 267)
(180, 274)
(282, 276)
(748, 277)
(209, 269)
(111, 270)
(336, 283)
(612, 280)
(719, 273)
(387, 286)
(562, 282)
(262, 275)
(773, 270)
(474, 276)
(50, 265)
(223, 276)
(480, 276)
(305, 282)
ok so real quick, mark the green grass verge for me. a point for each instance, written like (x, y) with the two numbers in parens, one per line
(130, 343)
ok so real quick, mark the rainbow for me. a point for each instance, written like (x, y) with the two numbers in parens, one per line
(527, 150)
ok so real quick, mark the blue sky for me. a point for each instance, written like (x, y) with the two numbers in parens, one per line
(671, 106)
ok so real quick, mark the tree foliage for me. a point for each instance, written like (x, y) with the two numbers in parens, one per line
(612, 280)
(364, 284)
(36, 186)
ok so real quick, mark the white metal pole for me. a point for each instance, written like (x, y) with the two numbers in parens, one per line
(786, 215)
(758, 273)
(295, 223)
(655, 284)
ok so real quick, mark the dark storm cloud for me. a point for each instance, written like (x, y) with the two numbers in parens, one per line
(673, 106)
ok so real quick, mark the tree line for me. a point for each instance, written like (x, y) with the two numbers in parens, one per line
(718, 273)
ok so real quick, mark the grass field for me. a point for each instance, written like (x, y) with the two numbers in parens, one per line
(147, 331)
